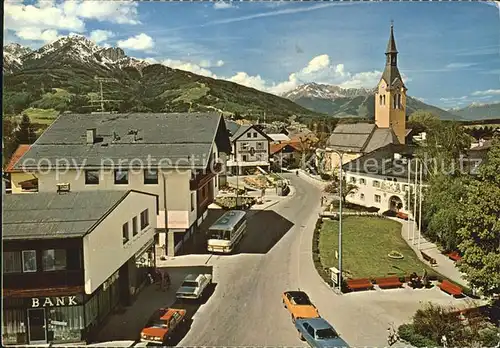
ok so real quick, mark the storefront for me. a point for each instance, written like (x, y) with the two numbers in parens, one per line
(57, 319)
(38, 320)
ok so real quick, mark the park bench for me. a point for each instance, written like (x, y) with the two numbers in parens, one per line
(429, 258)
(455, 256)
(450, 288)
(388, 282)
(359, 284)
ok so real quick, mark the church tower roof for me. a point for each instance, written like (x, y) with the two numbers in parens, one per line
(391, 45)
(391, 72)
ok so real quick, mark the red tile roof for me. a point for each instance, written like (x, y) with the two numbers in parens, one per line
(21, 150)
(275, 148)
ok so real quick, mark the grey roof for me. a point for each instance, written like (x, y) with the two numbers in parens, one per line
(383, 162)
(240, 131)
(380, 138)
(46, 215)
(232, 126)
(360, 137)
(185, 138)
(391, 45)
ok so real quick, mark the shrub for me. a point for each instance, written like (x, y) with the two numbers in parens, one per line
(407, 333)
(325, 176)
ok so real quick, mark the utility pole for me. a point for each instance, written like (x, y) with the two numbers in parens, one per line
(101, 92)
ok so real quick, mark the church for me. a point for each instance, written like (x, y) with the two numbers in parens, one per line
(355, 140)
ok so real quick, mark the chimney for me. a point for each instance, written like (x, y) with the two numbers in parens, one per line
(91, 135)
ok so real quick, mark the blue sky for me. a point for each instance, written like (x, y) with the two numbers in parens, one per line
(449, 51)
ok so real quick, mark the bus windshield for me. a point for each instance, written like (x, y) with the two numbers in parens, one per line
(219, 234)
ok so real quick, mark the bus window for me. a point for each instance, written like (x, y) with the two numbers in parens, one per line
(227, 235)
(215, 234)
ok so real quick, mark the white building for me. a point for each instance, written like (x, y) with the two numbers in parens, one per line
(70, 258)
(175, 156)
(382, 178)
(249, 148)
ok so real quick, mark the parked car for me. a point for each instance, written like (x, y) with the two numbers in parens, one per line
(318, 333)
(299, 305)
(162, 325)
(402, 215)
(193, 286)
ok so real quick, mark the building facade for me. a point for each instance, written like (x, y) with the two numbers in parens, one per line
(250, 149)
(356, 140)
(175, 156)
(381, 178)
(60, 281)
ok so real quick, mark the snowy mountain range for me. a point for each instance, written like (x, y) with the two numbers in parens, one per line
(323, 91)
(74, 48)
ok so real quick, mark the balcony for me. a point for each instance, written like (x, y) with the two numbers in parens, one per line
(200, 179)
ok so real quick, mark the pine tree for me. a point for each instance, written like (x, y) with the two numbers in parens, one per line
(25, 133)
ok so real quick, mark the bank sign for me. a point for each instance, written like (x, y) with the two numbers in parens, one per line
(55, 301)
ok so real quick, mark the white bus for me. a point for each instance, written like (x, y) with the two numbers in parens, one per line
(227, 231)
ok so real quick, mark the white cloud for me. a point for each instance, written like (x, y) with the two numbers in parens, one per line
(453, 99)
(210, 64)
(453, 66)
(35, 34)
(69, 15)
(487, 92)
(223, 5)
(140, 42)
(188, 66)
(100, 35)
(319, 69)
(120, 12)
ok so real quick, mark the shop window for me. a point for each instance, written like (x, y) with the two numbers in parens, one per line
(121, 177)
(135, 227)
(91, 177)
(66, 323)
(144, 219)
(12, 262)
(150, 176)
(125, 233)
(14, 326)
(29, 261)
(54, 260)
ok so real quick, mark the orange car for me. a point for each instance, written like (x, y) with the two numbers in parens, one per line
(162, 325)
(299, 305)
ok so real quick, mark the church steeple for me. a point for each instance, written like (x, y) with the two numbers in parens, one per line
(391, 52)
(390, 98)
(391, 71)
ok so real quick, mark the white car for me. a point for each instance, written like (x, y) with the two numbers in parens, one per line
(193, 286)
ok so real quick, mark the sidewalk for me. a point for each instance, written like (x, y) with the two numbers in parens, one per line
(313, 180)
(445, 265)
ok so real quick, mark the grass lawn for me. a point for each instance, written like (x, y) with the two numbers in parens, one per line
(41, 116)
(366, 241)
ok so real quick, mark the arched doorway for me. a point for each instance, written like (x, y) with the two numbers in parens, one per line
(395, 203)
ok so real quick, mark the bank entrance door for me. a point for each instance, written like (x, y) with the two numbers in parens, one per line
(37, 326)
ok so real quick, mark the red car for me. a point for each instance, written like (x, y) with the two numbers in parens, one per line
(162, 325)
(402, 215)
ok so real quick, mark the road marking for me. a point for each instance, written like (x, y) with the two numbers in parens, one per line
(206, 262)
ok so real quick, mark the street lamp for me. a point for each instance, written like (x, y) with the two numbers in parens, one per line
(340, 154)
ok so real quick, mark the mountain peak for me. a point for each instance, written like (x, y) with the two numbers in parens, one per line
(324, 91)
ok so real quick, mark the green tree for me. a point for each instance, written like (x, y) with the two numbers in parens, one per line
(479, 221)
(25, 133)
(422, 121)
(347, 188)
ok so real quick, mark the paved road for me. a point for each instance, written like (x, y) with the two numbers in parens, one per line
(246, 308)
